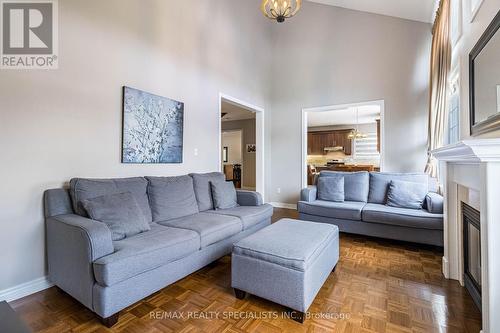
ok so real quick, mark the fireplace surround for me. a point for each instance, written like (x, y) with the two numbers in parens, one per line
(473, 165)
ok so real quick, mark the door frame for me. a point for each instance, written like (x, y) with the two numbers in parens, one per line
(259, 138)
(305, 111)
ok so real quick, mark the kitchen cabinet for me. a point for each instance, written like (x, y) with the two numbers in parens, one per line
(318, 141)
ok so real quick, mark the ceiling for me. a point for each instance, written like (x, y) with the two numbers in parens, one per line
(235, 112)
(416, 10)
(367, 115)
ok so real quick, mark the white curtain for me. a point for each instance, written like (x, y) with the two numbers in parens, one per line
(440, 70)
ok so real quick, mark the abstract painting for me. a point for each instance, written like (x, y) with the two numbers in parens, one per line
(152, 128)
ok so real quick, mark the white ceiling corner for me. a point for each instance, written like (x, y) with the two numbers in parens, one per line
(415, 10)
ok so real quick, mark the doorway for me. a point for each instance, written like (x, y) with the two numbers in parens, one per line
(346, 137)
(232, 154)
(244, 123)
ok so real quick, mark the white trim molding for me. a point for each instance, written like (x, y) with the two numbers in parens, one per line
(283, 205)
(470, 151)
(25, 289)
(475, 6)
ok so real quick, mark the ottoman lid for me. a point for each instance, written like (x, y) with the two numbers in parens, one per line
(289, 243)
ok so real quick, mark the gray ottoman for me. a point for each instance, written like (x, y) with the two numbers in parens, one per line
(286, 263)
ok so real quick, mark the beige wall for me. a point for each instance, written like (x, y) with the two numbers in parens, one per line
(66, 123)
(329, 56)
(472, 31)
(233, 141)
(249, 162)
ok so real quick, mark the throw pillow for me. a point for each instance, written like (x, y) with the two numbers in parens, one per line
(406, 194)
(331, 189)
(223, 194)
(120, 212)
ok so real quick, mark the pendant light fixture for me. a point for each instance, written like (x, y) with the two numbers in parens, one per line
(356, 134)
(280, 10)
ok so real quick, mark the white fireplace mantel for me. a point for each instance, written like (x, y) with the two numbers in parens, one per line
(474, 164)
(470, 151)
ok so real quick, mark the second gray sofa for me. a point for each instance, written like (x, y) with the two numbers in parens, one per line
(186, 233)
(365, 212)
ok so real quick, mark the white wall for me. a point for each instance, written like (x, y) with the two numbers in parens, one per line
(233, 141)
(472, 31)
(328, 56)
(66, 123)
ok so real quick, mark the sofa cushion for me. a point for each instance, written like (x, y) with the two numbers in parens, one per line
(273, 244)
(83, 188)
(355, 184)
(249, 215)
(171, 197)
(331, 189)
(210, 227)
(413, 218)
(223, 194)
(203, 190)
(434, 203)
(406, 194)
(347, 210)
(379, 183)
(144, 252)
(120, 212)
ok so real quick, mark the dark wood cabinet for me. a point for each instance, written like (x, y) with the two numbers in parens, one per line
(318, 141)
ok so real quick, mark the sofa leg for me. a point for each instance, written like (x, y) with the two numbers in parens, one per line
(60, 291)
(297, 316)
(334, 269)
(111, 320)
(240, 294)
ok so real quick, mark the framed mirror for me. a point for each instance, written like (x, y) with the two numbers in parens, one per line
(484, 81)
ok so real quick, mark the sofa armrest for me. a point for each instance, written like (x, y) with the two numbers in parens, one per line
(73, 244)
(249, 198)
(309, 193)
(434, 203)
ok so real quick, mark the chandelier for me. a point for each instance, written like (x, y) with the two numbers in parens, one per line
(280, 10)
(355, 133)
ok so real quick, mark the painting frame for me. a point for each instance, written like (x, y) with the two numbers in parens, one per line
(251, 148)
(167, 145)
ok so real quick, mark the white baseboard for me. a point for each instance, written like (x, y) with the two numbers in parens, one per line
(283, 205)
(25, 289)
(446, 268)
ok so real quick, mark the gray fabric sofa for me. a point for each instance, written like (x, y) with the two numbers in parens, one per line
(186, 234)
(365, 212)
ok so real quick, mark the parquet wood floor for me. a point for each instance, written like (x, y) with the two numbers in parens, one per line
(378, 286)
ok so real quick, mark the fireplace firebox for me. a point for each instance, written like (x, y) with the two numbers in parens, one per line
(472, 252)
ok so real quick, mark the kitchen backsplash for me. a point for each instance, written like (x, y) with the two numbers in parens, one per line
(320, 160)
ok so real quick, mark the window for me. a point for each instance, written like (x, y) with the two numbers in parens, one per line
(454, 112)
(456, 21)
(366, 148)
